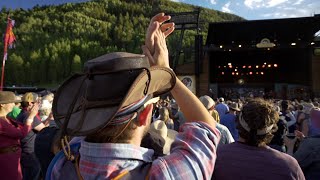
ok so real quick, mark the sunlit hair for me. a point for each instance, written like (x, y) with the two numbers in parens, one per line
(164, 114)
(114, 134)
(258, 115)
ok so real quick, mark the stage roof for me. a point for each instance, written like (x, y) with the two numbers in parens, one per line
(281, 32)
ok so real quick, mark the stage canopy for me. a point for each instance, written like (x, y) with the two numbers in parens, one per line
(299, 32)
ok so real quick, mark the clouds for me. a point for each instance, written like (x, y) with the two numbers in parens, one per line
(296, 8)
(298, 2)
(263, 3)
(282, 8)
(253, 3)
(225, 8)
(213, 1)
(273, 3)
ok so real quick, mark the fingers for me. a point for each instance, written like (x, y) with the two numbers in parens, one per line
(167, 28)
(35, 107)
(161, 18)
(299, 134)
(150, 36)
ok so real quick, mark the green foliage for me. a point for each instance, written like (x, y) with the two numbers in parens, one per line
(54, 42)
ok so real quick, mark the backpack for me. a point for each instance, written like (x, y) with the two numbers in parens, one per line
(70, 169)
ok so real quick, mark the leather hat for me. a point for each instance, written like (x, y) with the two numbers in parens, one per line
(87, 101)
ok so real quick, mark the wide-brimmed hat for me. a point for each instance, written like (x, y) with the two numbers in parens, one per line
(160, 128)
(234, 106)
(8, 97)
(86, 102)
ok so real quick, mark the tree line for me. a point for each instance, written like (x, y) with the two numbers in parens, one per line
(54, 42)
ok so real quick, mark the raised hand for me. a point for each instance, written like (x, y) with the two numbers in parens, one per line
(165, 28)
(34, 110)
(155, 44)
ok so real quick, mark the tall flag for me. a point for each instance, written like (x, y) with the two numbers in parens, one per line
(9, 37)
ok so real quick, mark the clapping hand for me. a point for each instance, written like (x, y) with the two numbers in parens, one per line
(155, 47)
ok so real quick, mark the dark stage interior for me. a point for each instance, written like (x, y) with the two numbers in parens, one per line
(286, 65)
(263, 55)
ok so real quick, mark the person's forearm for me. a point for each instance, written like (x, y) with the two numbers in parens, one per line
(290, 150)
(190, 105)
(47, 121)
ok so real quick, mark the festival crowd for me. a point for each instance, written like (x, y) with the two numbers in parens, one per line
(128, 116)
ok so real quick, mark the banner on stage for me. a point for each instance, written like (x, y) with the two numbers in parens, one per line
(190, 82)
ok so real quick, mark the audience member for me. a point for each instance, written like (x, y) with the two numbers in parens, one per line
(308, 152)
(222, 108)
(10, 134)
(178, 116)
(287, 115)
(226, 137)
(250, 157)
(229, 120)
(277, 141)
(16, 108)
(168, 135)
(164, 116)
(31, 168)
(114, 120)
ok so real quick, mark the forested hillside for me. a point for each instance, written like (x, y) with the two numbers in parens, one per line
(54, 41)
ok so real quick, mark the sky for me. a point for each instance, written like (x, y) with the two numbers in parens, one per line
(248, 9)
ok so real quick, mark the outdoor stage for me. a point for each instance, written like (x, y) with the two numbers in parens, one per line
(265, 58)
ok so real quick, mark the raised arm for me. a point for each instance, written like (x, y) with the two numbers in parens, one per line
(189, 104)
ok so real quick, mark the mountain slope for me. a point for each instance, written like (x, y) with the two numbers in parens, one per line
(54, 41)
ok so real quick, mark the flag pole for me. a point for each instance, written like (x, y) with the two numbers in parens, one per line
(2, 72)
(4, 53)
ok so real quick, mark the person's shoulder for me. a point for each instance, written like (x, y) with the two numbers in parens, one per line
(286, 158)
(222, 127)
(312, 141)
(225, 148)
(22, 116)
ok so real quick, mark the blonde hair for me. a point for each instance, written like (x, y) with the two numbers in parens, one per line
(164, 114)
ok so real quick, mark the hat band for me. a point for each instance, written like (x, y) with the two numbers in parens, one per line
(134, 107)
(245, 126)
(126, 115)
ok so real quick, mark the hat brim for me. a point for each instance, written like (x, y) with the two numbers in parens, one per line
(6, 102)
(171, 135)
(235, 109)
(88, 116)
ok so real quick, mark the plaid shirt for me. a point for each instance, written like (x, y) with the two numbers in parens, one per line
(193, 155)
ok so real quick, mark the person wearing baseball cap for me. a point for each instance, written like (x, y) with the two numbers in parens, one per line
(226, 136)
(229, 120)
(31, 168)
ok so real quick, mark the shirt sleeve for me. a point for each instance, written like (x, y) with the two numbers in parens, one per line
(193, 154)
(36, 121)
(306, 153)
(14, 132)
(293, 119)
